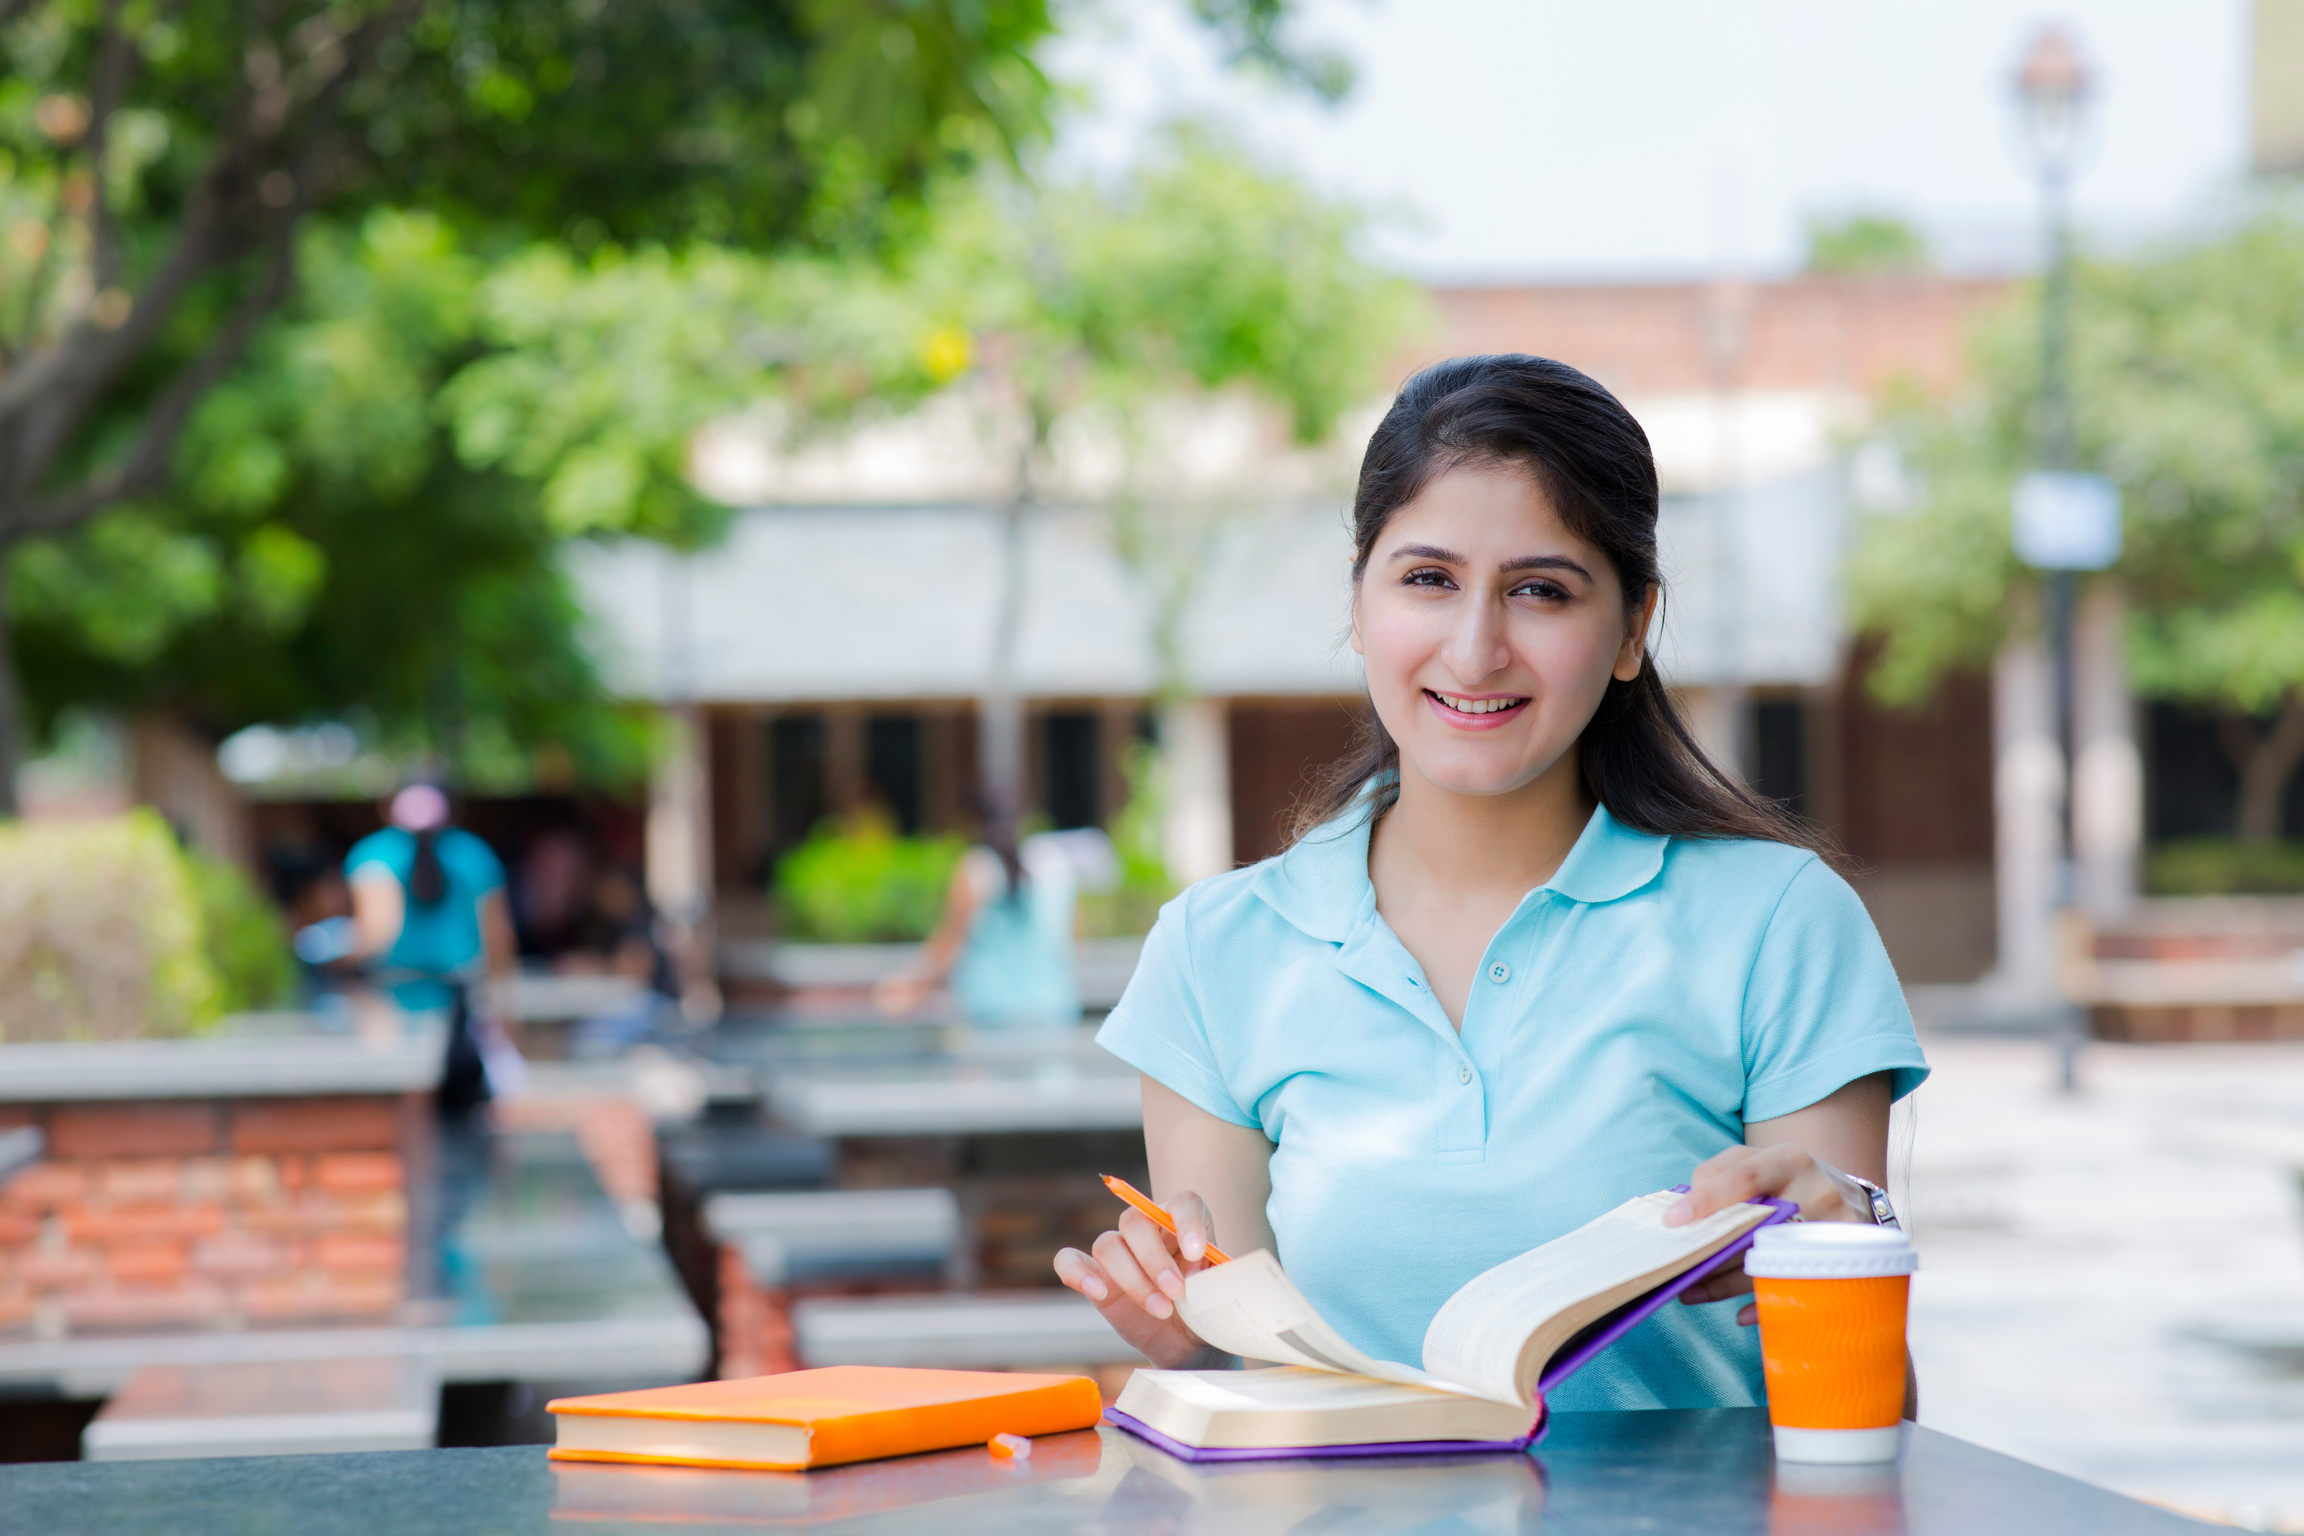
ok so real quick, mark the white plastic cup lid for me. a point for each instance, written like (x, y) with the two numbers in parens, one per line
(1829, 1250)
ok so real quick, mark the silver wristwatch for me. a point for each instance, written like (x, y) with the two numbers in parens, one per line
(1883, 1214)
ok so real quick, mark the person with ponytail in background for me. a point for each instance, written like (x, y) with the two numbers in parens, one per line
(1532, 952)
(429, 913)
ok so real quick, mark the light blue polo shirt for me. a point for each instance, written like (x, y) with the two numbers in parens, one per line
(1626, 1021)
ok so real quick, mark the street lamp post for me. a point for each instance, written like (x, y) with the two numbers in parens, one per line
(2053, 87)
(2064, 521)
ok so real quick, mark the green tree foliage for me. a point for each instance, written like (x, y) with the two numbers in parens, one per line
(2188, 371)
(1865, 242)
(324, 550)
(158, 165)
(158, 161)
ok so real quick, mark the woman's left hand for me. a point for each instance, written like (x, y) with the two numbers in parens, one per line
(1782, 1172)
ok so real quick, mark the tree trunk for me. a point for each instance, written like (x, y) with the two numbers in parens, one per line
(2266, 763)
(12, 737)
(1000, 708)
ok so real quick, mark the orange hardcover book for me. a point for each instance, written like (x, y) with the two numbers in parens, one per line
(819, 1418)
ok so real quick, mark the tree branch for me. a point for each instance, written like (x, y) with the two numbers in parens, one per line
(43, 403)
(105, 88)
(147, 464)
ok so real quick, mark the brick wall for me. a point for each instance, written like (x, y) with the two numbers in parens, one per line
(178, 1214)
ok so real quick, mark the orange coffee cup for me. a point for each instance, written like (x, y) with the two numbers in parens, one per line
(1832, 1298)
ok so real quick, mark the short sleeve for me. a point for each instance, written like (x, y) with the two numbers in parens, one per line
(371, 853)
(1822, 1006)
(1157, 1026)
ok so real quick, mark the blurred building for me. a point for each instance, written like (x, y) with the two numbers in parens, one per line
(829, 653)
(2276, 88)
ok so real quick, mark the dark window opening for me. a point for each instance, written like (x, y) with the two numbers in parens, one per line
(1069, 769)
(798, 792)
(1780, 752)
(892, 767)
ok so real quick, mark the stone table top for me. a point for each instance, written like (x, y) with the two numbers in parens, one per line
(1663, 1472)
(253, 1056)
(836, 1079)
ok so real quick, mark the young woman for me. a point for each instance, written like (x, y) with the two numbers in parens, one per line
(428, 905)
(1531, 955)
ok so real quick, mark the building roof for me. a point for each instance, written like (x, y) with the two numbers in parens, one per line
(818, 604)
(827, 603)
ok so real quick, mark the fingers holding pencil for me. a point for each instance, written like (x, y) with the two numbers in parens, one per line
(1186, 1218)
(1135, 1276)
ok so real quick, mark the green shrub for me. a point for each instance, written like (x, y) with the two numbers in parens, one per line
(1129, 911)
(2224, 866)
(856, 882)
(243, 936)
(101, 933)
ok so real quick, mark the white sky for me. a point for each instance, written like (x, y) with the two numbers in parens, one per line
(1515, 138)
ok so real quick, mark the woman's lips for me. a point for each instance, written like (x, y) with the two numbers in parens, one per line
(1500, 710)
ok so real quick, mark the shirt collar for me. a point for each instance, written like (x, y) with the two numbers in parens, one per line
(1610, 860)
(1321, 884)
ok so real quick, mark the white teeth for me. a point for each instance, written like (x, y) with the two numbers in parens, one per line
(1475, 706)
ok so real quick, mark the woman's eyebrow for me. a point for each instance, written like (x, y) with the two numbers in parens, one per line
(1520, 563)
(1543, 563)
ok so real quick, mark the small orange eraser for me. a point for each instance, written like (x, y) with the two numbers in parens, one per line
(1015, 1447)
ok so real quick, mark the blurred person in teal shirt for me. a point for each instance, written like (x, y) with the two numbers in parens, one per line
(1005, 939)
(428, 909)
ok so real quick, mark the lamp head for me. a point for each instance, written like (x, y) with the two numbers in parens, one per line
(2053, 84)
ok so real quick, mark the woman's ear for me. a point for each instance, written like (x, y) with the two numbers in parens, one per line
(1357, 648)
(1629, 655)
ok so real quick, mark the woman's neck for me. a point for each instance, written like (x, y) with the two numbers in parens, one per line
(1480, 845)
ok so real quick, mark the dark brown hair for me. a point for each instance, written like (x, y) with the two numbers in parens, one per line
(1594, 465)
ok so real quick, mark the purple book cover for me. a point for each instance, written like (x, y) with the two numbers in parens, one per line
(1577, 1353)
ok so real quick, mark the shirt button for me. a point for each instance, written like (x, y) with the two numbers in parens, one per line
(1463, 1073)
(1499, 972)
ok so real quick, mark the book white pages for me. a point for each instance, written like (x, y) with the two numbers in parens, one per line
(1492, 1338)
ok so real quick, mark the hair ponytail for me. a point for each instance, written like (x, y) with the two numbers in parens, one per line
(427, 877)
(1637, 756)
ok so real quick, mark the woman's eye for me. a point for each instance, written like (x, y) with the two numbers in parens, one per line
(1426, 578)
(1540, 589)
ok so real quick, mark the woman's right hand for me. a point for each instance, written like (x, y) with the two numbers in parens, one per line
(1136, 1277)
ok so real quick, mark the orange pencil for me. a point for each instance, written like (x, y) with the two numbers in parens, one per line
(1158, 1217)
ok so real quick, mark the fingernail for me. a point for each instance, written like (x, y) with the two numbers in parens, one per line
(1094, 1287)
(1681, 1210)
(1172, 1283)
(1158, 1305)
(1194, 1249)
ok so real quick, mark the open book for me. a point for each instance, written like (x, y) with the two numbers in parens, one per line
(1495, 1347)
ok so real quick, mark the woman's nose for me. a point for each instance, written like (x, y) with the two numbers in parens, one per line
(1476, 647)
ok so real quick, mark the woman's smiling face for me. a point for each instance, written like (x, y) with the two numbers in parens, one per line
(1490, 631)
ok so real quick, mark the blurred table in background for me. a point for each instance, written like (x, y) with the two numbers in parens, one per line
(822, 975)
(851, 1079)
(842, 1160)
(1595, 1473)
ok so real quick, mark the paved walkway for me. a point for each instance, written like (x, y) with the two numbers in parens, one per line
(2112, 1282)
